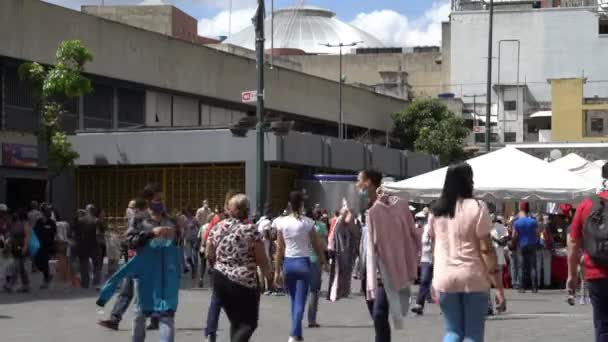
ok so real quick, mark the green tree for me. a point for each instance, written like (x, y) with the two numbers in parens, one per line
(427, 125)
(54, 87)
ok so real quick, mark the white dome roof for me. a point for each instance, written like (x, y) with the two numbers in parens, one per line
(306, 28)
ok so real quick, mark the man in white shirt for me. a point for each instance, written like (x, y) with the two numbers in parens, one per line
(202, 214)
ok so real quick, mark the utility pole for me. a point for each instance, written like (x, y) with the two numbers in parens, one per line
(260, 163)
(340, 45)
(489, 82)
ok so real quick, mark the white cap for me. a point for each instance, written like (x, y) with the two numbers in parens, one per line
(3, 207)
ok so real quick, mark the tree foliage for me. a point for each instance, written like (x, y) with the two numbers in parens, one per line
(53, 87)
(427, 125)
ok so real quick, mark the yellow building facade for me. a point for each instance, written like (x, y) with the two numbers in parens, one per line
(574, 117)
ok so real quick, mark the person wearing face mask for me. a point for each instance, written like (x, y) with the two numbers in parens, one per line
(156, 224)
(155, 268)
(136, 212)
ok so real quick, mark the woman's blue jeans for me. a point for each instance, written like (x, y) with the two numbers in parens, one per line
(297, 279)
(464, 316)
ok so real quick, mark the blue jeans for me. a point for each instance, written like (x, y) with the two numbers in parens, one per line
(379, 310)
(166, 327)
(124, 299)
(297, 279)
(598, 292)
(315, 288)
(527, 267)
(464, 316)
(213, 315)
(426, 277)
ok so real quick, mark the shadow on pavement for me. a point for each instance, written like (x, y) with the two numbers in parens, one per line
(47, 295)
(6, 317)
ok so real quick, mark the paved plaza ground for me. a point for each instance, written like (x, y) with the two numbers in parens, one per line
(65, 315)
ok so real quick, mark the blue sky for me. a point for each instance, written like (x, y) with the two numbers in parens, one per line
(395, 22)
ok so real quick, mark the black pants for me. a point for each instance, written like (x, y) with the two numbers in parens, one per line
(528, 261)
(241, 304)
(41, 260)
(378, 309)
(598, 292)
(87, 257)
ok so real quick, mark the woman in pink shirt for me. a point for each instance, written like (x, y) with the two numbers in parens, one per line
(460, 226)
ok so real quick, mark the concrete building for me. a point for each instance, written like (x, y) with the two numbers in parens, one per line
(533, 41)
(576, 118)
(160, 110)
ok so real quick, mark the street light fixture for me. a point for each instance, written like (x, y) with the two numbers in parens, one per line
(340, 45)
(279, 127)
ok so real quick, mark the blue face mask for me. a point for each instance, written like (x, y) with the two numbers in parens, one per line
(157, 207)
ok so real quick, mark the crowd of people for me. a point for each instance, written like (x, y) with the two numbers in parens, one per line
(455, 248)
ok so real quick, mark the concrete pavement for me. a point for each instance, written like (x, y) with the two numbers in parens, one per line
(65, 315)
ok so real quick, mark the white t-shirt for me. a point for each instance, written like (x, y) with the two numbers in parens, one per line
(499, 232)
(296, 233)
(264, 225)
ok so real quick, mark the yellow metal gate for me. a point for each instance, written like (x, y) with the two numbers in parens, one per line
(111, 188)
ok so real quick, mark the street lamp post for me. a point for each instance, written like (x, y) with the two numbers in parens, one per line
(260, 165)
(489, 81)
(340, 45)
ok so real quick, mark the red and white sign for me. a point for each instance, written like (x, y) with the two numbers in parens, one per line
(249, 96)
(479, 129)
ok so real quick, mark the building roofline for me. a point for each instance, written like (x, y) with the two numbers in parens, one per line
(498, 10)
(221, 51)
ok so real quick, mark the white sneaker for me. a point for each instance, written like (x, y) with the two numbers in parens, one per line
(582, 301)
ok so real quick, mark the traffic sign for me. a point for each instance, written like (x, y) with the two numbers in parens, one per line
(249, 96)
(479, 129)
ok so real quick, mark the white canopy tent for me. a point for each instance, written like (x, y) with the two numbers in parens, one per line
(506, 174)
(580, 166)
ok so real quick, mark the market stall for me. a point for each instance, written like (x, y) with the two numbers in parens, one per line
(508, 175)
(581, 167)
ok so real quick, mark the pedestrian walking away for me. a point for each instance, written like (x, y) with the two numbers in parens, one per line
(296, 237)
(465, 258)
(236, 250)
(587, 232)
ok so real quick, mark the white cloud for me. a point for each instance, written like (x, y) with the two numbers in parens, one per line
(218, 25)
(395, 29)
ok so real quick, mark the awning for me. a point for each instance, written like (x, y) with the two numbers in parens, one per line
(542, 114)
(530, 179)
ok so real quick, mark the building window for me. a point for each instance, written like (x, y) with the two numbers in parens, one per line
(131, 107)
(98, 106)
(603, 25)
(19, 103)
(510, 137)
(596, 123)
(481, 138)
(510, 106)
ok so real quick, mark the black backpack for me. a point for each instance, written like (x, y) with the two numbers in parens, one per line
(595, 233)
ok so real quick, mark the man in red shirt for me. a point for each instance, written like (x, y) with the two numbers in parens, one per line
(595, 276)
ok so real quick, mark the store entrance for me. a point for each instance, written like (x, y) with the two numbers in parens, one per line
(21, 191)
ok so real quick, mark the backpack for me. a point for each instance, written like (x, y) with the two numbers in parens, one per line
(595, 233)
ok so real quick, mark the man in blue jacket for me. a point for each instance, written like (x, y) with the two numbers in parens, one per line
(155, 289)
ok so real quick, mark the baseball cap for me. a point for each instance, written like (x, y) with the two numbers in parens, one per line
(3, 207)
